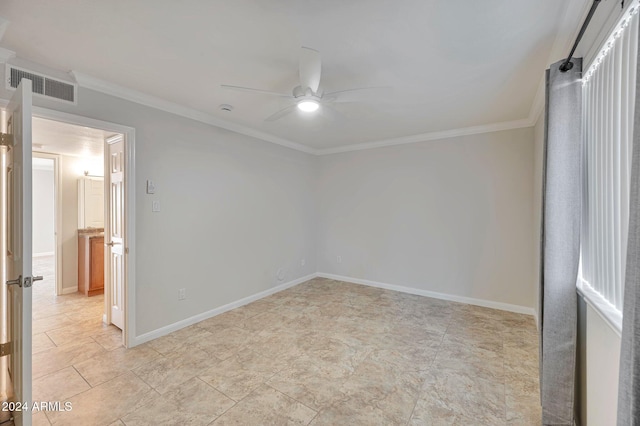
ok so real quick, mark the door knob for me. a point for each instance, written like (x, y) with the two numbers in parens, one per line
(111, 244)
(28, 281)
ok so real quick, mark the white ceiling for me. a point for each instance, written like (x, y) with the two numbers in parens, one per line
(67, 139)
(451, 64)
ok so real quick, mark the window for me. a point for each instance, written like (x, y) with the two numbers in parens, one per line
(608, 106)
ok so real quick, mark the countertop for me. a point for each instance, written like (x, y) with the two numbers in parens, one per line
(91, 232)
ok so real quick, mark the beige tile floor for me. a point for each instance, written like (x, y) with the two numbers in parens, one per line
(321, 353)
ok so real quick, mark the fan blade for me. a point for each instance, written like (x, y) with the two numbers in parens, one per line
(362, 94)
(249, 89)
(282, 113)
(310, 69)
(332, 114)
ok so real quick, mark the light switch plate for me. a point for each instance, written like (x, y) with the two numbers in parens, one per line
(151, 187)
(155, 206)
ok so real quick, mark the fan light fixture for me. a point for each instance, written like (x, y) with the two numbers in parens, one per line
(308, 105)
(308, 97)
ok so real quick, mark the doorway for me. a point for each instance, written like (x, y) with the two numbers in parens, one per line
(69, 179)
(47, 252)
(20, 107)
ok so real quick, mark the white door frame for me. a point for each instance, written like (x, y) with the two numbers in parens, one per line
(57, 211)
(129, 332)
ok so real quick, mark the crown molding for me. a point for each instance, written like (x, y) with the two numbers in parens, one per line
(6, 55)
(112, 89)
(537, 107)
(424, 137)
(4, 24)
(99, 85)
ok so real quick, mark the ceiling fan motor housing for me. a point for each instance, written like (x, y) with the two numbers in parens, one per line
(300, 91)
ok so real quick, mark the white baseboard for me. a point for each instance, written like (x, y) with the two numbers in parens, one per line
(69, 290)
(217, 311)
(450, 297)
(229, 306)
(44, 254)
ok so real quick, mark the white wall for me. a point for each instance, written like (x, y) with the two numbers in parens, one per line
(70, 171)
(43, 212)
(451, 216)
(602, 369)
(234, 210)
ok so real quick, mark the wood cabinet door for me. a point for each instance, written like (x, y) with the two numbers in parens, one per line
(96, 280)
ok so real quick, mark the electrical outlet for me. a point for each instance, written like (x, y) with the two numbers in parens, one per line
(151, 187)
(155, 206)
(303, 262)
(339, 259)
(182, 294)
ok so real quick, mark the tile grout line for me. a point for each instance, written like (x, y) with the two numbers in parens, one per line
(47, 417)
(141, 379)
(304, 405)
(83, 378)
(429, 369)
(293, 398)
(218, 390)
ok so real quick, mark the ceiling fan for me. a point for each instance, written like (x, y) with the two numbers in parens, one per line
(308, 96)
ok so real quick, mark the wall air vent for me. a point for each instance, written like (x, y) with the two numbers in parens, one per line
(42, 85)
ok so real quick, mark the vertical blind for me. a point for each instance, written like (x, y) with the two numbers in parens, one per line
(608, 108)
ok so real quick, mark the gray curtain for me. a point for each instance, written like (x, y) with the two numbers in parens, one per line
(629, 381)
(560, 243)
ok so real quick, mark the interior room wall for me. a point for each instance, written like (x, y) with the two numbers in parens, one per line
(70, 170)
(43, 212)
(450, 216)
(234, 210)
(602, 370)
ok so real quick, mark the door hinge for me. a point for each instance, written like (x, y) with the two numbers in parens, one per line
(5, 349)
(5, 139)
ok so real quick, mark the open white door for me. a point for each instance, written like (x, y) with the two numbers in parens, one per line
(115, 230)
(19, 249)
